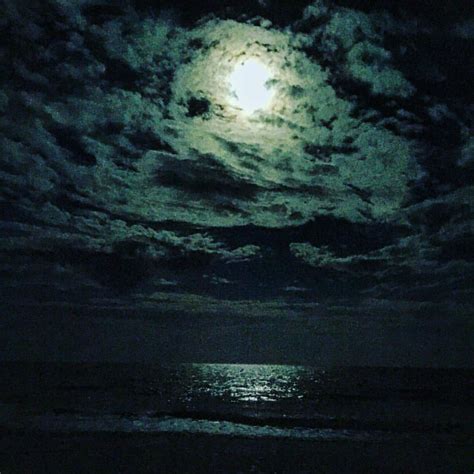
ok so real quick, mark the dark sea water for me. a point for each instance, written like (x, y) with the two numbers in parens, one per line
(255, 400)
(426, 407)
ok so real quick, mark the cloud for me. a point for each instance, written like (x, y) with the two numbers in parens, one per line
(466, 160)
(371, 64)
(121, 150)
(435, 261)
(295, 289)
(120, 125)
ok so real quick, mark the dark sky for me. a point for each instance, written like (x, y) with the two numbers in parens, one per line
(143, 217)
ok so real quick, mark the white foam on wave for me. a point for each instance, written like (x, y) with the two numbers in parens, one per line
(145, 424)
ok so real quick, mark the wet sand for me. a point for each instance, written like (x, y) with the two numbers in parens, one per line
(183, 453)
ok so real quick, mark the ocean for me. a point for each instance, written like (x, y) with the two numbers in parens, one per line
(401, 418)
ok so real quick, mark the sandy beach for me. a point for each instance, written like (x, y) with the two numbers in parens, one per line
(181, 453)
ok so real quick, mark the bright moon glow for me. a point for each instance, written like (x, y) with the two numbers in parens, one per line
(248, 86)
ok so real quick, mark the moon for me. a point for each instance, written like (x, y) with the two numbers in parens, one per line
(249, 86)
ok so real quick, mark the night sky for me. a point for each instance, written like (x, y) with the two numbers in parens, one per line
(144, 217)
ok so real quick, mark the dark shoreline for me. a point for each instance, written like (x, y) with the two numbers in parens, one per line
(37, 452)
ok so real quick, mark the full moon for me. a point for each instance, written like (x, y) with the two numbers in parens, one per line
(248, 84)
